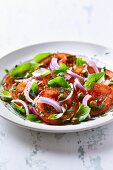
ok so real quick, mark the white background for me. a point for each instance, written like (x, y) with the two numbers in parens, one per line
(25, 22)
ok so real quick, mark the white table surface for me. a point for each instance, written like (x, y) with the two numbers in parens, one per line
(25, 22)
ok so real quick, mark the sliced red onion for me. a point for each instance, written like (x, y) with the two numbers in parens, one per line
(92, 64)
(23, 80)
(40, 72)
(85, 99)
(35, 100)
(79, 85)
(27, 90)
(49, 101)
(67, 76)
(70, 95)
(53, 64)
(32, 109)
(75, 75)
(23, 103)
(106, 82)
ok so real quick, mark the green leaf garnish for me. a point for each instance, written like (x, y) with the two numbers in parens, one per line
(41, 56)
(61, 68)
(92, 78)
(5, 95)
(80, 61)
(22, 70)
(58, 82)
(34, 90)
(55, 116)
(19, 109)
(82, 112)
(32, 117)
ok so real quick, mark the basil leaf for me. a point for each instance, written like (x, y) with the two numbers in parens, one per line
(58, 82)
(5, 95)
(92, 78)
(18, 108)
(32, 117)
(82, 112)
(55, 116)
(61, 68)
(34, 90)
(22, 70)
(80, 61)
(41, 56)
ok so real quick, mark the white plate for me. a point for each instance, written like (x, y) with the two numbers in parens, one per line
(9, 61)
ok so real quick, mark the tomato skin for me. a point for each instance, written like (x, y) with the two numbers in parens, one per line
(90, 69)
(78, 69)
(104, 95)
(8, 82)
(19, 90)
(109, 74)
(62, 58)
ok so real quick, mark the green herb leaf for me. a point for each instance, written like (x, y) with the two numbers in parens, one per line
(58, 82)
(6, 70)
(92, 78)
(55, 116)
(80, 61)
(32, 117)
(34, 90)
(18, 108)
(82, 112)
(61, 68)
(5, 95)
(23, 70)
(41, 56)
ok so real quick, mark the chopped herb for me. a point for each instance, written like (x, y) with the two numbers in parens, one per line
(101, 106)
(71, 109)
(92, 78)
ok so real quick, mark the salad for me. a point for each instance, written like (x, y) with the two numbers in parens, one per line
(58, 89)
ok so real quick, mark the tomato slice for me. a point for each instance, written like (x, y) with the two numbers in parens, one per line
(109, 74)
(104, 95)
(19, 90)
(8, 82)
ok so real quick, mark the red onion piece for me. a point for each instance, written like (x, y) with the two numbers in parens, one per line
(75, 75)
(38, 73)
(27, 90)
(67, 76)
(91, 64)
(79, 85)
(70, 95)
(32, 109)
(23, 103)
(53, 64)
(23, 80)
(85, 99)
(49, 101)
